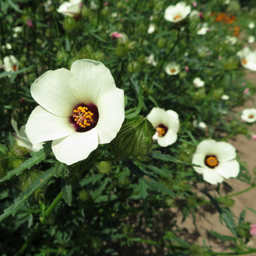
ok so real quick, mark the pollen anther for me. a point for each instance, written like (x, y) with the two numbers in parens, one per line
(82, 116)
(177, 17)
(160, 131)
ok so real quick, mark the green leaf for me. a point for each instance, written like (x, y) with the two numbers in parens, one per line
(143, 189)
(250, 209)
(4, 74)
(223, 238)
(149, 180)
(3, 149)
(66, 188)
(23, 197)
(59, 169)
(36, 158)
(14, 6)
(167, 158)
(99, 190)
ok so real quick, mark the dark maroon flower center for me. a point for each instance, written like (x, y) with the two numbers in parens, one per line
(84, 117)
(161, 130)
(211, 161)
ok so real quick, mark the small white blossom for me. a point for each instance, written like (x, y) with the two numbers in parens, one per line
(172, 68)
(217, 161)
(249, 115)
(10, 63)
(250, 39)
(225, 97)
(198, 82)
(251, 25)
(247, 58)
(178, 12)
(152, 28)
(71, 8)
(166, 124)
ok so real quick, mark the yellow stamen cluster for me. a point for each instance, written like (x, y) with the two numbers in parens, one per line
(14, 68)
(161, 131)
(173, 70)
(211, 161)
(82, 116)
(251, 116)
(244, 61)
(177, 17)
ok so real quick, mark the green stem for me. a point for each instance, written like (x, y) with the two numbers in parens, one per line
(166, 57)
(35, 233)
(240, 192)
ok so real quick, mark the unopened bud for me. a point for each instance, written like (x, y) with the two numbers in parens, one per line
(134, 138)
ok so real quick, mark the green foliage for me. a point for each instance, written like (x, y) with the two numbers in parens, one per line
(103, 204)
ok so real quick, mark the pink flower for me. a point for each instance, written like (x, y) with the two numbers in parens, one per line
(187, 68)
(194, 4)
(253, 229)
(30, 23)
(246, 90)
(243, 84)
(220, 58)
(105, 3)
(115, 35)
(254, 138)
(200, 14)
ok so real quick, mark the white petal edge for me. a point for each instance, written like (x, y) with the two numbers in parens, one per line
(43, 126)
(52, 91)
(228, 169)
(225, 151)
(90, 79)
(75, 147)
(212, 176)
(111, 115)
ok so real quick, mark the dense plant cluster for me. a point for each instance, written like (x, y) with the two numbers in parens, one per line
(114, 112)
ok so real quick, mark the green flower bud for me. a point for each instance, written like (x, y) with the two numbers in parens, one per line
(133, 67)
(169, 201)
(96, 242)
(125, 181)
(85, 11)
(231, 63)
(84, 195)
(105, 167)
(200, 94)
(99, 56)
(141, 28)
(105, 11)
(182, 74)
(120, 50)
(128, 230)
(134, 138)
(69, 23)
(161, 42)
(217, 93)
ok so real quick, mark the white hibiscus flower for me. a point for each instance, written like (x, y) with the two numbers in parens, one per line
(10, 63)
(71, 8)
(248, 58)
(172, 68)
(198, 82)
(166, 124)
(217, 161)
(22, 138)
(79, 109)
(178, 12)
(249, 115)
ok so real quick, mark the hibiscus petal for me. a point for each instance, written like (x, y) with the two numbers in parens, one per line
(111, 115)
(212, 176)
(75, 147)
(52, 91)
(169, 138)
(90, 80)
(228, 169)
(156, 116)
(225, 151)
(198, 159)
(43, 126)
(207, 147)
